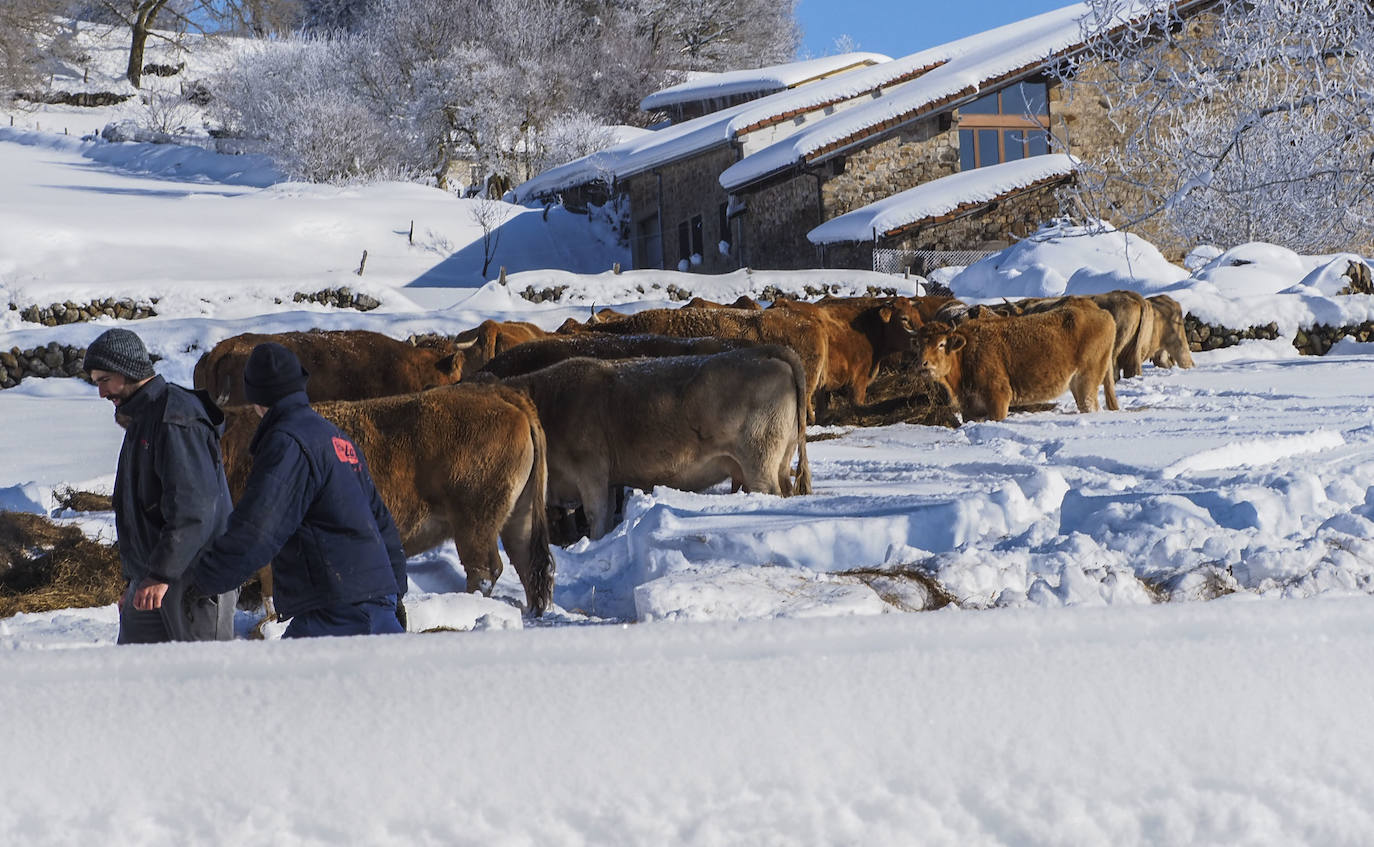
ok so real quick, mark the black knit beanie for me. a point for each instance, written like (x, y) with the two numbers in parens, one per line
(119, 351)
(272, 373)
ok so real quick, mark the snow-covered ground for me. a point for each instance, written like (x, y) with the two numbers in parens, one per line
(685, 689)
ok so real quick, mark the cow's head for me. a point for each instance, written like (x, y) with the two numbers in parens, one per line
(466, 357)
(937, 347)
(1172, 335)
(899, 318)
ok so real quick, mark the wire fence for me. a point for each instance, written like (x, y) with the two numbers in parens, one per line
(922, 262)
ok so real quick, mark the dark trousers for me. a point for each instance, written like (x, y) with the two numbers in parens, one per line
(179, 619)
(370, 617)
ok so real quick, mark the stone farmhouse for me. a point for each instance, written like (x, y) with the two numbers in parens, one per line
(885, 165)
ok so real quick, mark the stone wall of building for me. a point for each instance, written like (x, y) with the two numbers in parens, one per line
(924, 153)
(775, 222)
(779, 216)
(689, 188)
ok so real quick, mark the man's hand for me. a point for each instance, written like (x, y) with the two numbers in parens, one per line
(149, 595)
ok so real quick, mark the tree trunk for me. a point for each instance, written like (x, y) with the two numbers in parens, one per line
(144, 16)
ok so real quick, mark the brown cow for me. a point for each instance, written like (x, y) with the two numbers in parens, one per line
(1134, 324)
(802, 333)
(1168, 342)
(685, 421)
(484, 342)
(534, 355)
(860, 333)
(744, 301)
(466, 462)
(990, 365)
(343, 364)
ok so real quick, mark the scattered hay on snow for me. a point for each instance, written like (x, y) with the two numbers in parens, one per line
(46, 566)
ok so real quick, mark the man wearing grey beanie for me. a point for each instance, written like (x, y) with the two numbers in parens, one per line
(170, 495)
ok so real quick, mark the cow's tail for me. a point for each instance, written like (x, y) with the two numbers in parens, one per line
(1143, 336)
(803, 484)
(541, 556)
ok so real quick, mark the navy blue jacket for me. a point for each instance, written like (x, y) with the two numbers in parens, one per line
(310, 509)
(170, 497)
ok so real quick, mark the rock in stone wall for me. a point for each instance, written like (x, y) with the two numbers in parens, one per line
(59, 314)
(341, 298)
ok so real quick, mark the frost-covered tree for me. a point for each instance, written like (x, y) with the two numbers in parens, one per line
(507, 86)
(714, 35)
(1252, 120)
(308, 103)
(28, 35)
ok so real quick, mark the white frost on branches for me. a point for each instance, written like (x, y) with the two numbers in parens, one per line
(1249, 121)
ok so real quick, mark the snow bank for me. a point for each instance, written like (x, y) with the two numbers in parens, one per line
(1068, 259)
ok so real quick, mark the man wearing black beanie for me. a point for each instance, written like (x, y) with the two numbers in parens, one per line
(310, 508)
(170, 496)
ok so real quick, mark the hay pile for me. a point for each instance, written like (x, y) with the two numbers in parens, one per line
(899, 394)
(45, 566)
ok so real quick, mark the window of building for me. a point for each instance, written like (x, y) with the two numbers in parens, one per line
(648, 243)
(1004, 126)
(684, 240)
(698, 237)
(723, 226)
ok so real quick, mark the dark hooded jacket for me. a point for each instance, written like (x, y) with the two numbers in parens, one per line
(310, 508)
(170, 496)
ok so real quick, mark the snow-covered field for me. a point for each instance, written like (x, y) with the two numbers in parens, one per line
(722, 669)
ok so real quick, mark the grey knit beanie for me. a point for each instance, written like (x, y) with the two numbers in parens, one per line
(120, 351)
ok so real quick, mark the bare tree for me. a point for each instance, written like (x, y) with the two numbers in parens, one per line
(1253, 120)
(490, 215)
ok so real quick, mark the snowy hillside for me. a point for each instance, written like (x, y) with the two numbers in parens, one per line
(1071, 687)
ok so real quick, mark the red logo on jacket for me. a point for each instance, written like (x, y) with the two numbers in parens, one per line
(345, 451)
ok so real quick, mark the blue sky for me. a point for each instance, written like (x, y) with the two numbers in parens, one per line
(899, 27)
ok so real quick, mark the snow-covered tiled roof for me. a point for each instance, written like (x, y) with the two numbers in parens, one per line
(941, 197)
(988, 60)
(764, 80)
(700, 134)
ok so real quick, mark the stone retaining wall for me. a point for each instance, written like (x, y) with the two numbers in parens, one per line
(677, 293)
(59, 314)
(51, 360)
(1309, 341)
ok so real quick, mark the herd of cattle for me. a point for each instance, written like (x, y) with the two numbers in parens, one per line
(475, 438)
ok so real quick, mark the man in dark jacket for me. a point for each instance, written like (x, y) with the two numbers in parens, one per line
(170, 496)
(310, 508)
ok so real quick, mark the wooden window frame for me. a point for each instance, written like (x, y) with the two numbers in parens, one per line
(1002, 122)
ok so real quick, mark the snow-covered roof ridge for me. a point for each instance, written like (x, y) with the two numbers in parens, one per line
(989, 60)
(942, 197)
(766, 79)
(699, 134)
